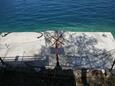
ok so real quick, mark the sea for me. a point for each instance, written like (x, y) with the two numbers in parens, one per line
(67, 15)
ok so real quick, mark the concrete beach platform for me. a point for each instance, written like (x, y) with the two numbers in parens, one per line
(77, 49)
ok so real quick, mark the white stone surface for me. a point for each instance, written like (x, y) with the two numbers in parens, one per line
(82, 49)
(86, 49)
(26, 45)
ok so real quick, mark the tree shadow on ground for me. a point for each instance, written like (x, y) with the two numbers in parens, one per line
(81, 51)
(32, 72)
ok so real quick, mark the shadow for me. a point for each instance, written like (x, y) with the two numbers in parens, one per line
(46, 77)
(32, 71)
(84, 77)
(40, 59)
(81, 52)
(60, 51)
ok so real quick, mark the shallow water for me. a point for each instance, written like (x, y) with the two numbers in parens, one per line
(74, 15)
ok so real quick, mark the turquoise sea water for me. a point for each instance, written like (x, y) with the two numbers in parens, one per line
(73, 15)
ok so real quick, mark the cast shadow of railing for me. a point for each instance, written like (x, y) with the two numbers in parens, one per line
(31, 71)
(37, 60)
